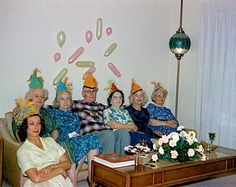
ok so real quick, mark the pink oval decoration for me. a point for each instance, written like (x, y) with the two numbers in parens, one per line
(91, 70)
(76, 55)
(88, 36)
(114, 69)
(108, 31)
(57, 57)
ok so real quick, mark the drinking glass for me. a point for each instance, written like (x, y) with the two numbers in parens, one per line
(212, 136)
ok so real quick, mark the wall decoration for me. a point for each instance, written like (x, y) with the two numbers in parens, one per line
(84, 64)
(110, 49)
(88, 36)
(57, 57)
(91, 70)
(113, 68)
(76, 55)
(60, 76)
(61, 38)
(99, 28)
(109, 31)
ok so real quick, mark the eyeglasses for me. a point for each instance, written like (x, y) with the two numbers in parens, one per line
(90, 91)
(117, 97)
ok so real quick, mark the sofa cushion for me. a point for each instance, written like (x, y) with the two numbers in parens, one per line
(8, 117)
(5, 133)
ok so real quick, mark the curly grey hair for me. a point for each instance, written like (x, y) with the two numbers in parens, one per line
(154, 93)
(29, 94)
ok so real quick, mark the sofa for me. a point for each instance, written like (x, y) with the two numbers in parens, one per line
(11, 170)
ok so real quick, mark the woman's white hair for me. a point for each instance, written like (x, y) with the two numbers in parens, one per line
(29, 94)
(56, 99)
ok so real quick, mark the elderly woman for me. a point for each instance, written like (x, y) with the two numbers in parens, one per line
(42, 160)
(69, 129)
(139, 114)
(161, 118)
(118, 119)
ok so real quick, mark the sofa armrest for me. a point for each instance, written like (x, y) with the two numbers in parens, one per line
(11, 170)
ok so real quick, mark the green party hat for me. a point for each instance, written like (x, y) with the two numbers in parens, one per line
(36, 82)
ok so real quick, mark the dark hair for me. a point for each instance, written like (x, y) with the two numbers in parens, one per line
(22, 133)
(110, 97)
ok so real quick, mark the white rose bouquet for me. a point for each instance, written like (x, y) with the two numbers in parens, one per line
(179, 146)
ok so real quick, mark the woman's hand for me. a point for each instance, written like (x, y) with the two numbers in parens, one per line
(133, 127)
(158, 133)
(171, 124)
(45, 171)
(55, 134)
(64, 174)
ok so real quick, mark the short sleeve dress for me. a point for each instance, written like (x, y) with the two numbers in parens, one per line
(30, 156)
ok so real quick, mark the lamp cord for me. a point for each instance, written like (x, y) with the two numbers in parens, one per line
(181, 14)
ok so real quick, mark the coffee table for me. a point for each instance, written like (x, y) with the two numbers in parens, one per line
(166, 174)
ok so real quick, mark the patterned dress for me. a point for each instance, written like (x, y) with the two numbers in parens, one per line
(162, 114)
(122, 116)
(68, 123)
(51, 125)
(30, 156)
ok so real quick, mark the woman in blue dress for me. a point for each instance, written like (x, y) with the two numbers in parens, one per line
(140, 116)
(69, 130)
(161, 118)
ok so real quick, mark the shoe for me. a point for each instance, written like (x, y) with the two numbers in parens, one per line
(96, 185)
(87, 179)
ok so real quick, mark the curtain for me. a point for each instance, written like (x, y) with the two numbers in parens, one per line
(216, 73)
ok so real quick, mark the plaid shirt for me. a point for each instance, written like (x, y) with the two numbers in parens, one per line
(91, 115)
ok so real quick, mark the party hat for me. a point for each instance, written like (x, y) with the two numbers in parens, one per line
(158, 86)
(134, 88)
(23, 109)
(90, 82)
(36, 82)
(63, 86)
(111, 87)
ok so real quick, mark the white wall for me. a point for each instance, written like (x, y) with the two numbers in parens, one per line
(141, 29)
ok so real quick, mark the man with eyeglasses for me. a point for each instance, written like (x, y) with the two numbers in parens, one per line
(91, 115)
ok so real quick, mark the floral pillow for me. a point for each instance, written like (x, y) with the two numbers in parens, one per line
(5, 133)
(11, 125)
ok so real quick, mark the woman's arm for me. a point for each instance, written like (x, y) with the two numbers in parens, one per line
(155, 122)
(129, 127)
(50, 171)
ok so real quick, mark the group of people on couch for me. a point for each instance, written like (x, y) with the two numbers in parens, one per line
(56, 141)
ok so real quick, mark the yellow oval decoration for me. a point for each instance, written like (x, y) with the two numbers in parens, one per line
(84, 64)
(60, 76)
(61, 38)
(99, 28)
(110, 49)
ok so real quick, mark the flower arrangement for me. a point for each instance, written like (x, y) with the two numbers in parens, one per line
(179, 146)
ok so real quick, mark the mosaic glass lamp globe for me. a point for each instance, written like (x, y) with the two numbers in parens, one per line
(179, 43)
